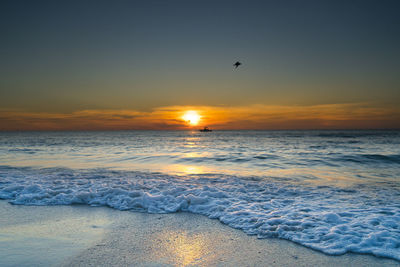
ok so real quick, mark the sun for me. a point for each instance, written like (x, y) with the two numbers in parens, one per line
(192, 117)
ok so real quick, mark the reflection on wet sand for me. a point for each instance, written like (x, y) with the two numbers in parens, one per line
(185, 248)
(46, 236)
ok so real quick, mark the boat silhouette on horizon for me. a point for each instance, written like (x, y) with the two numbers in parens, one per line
(205, 129)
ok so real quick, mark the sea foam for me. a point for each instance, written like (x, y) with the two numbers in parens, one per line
(363, 218)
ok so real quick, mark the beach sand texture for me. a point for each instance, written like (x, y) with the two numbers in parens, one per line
(85, 236)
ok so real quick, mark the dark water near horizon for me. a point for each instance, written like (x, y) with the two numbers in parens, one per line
(334, 191)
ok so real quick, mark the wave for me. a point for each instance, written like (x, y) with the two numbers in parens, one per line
(369, 159)
(302, 159)
(357, 133)
(24, 150)
(362, 218)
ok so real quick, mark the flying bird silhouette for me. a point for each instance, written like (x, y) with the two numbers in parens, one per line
(237, 64)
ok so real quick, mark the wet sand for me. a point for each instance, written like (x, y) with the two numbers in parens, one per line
(88, 236)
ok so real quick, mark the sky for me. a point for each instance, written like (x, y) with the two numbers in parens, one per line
(113, 65)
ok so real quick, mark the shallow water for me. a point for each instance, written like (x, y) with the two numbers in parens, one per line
(334, 191)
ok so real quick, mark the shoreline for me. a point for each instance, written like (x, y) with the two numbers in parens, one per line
(100, 236)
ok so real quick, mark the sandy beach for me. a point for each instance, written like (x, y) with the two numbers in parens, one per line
(99, 236)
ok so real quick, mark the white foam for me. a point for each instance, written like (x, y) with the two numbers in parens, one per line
(334, 220)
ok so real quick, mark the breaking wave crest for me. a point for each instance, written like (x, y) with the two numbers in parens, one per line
(362, 218)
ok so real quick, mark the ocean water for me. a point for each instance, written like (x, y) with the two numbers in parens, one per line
(333, 191)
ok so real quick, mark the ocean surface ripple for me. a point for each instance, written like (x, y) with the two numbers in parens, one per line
(335, 192)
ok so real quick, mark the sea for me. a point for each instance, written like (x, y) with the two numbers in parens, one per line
(332, 191)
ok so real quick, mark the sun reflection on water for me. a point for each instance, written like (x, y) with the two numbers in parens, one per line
(187, 169)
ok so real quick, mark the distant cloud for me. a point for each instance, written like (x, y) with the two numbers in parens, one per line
(332, 116)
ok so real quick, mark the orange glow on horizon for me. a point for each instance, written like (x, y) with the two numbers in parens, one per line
(272, 117)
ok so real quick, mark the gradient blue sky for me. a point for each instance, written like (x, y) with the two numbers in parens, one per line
(61, 57)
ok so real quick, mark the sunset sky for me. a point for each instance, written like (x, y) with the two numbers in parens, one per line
(104, 65)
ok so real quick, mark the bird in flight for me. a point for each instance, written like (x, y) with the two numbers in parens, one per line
(237, 64)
